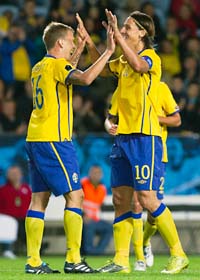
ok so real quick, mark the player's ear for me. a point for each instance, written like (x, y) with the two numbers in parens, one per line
(142, 33)
(60, 42)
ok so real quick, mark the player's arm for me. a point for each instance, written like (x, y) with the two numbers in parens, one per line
(134, 60)
(92, 50)
(78, 51)
(89, 75)
(173, 120)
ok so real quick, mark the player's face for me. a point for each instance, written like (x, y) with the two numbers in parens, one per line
(69, 45)
(131, 33)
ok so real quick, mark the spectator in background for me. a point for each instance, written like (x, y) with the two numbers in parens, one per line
(190, 111)
(25, 100)
(192, 48)
(190, 69)
(85, 118)
(64, 12)
(17, 55)
(29, 18)
(186, 22)
(15, 197)
(10, 122)
(193, 4)
(94, 196)
(170, 60)
(2, 93)
(178, 91)
(5, 21)
(171, 34)
(149, 9)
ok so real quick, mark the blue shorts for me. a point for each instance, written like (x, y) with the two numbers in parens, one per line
(136, 161)
(160, 192)
(53, 166)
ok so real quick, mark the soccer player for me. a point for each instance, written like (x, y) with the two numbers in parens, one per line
(53, 163)
(168, 114)
(137, 152)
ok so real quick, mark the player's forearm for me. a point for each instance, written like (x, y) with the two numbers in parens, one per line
(133, 59)
(94, 56)
(89, 75)
(93, 71)
(92, 50)
(171, 121)
(77, 53)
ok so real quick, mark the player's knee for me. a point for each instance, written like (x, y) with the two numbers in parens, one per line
(137, 207)
(117, 201)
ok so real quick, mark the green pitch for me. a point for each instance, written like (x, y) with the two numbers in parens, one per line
(14, 270)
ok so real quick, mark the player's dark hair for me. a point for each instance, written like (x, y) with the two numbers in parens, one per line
(145, 22)
(53, 32)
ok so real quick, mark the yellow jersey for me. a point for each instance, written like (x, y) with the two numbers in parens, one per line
(52, 115)
(137, 95)
(166, 106)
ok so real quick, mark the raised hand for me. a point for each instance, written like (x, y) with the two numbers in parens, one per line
(112, 20)
(110, 39)
(81, 30)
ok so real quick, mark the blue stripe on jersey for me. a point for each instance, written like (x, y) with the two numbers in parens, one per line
(148, 89)
(35, 214)
(123, 217)
(67, 78)
(76, 210)
(150, 82)
(150, 120)
(57, 95)
(68, 103)
(143, 113)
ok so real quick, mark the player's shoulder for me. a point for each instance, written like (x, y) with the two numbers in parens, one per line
(151, 53)
(164, 88)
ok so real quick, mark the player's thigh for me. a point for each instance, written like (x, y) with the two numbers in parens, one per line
(145, 157)
(58, 166)
(121, 169)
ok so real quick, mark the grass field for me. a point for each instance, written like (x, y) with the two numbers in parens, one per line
(14, 270)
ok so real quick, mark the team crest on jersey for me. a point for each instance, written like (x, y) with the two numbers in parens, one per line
(125, 74)
(68, 67)
(142, 182)
(75, 177)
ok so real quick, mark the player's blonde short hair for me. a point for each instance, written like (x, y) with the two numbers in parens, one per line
(54, 31)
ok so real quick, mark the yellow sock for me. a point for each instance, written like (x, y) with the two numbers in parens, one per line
(122, 232)
(73, 224)
(137, 237)
(34, 226)
(168, 231)
(149, 231)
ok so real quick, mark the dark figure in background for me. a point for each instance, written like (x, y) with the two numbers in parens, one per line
(94, 196)
(15, 197)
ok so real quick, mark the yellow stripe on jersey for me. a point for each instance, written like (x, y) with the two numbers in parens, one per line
(52, 115)
(62, 165)
(152, 162)
(137, 95)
